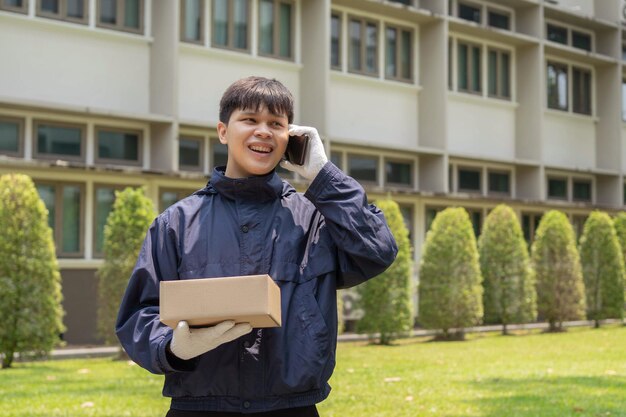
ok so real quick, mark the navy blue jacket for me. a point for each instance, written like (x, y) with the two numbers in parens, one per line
(310, 244)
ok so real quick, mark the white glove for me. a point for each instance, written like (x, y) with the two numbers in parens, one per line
(314, 160)
(189, 343)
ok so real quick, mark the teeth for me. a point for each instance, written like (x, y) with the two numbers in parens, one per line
(261, 149)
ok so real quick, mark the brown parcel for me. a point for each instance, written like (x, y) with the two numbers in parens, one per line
(253, 299)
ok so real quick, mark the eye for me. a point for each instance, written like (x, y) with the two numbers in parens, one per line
(277, 124)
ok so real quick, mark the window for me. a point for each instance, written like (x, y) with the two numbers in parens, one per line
(557, 86)
(557, 188)
(476, 217)
(54, 140)
(469, 179)
(276, 28)
(167, 197)
(624, 99)
(578, 224)
(20, 6)
(498, 19)
(557, 34)
(104, 198)
(337, 159)
(219, 153)
(469, 12)
(407, 2)
(407, 217)
(530, 223)
(65, 216)
(398, 54)
(581, 91)
(400, 173)
(499, 74)
(335, 41)
(431, 213)
(468, 61)
(581, 190)
(363, 168)
(192, 21)
(118, 146)
(11, 134)
(124, 15)
(499, 183)
(190, 153)
(68, 10)
(363, 47)
(231, 20)
(624, 52)
(581, 40)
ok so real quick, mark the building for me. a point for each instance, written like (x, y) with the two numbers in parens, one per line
(435, 103)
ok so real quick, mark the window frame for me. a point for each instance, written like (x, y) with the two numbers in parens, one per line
(503, 12)
(201, 152)
(582, 180)
(212, 141)
(58, 217)
(558, 178)
(114, 161)
(20, 136)
(276, 35)
(469, 168)
(364, 21)
(569, 35)
(23, 9)
(96, 186)
(182, 37)
(399, 44)
(62, 15)
(558, 64)
(509, 173)
(408, 162)
(499, 53)
(83, 140)
(180, 194)
(480, 8)
(575, 88)
(119, 25)
(340, 34)
(230, 29)
(624, 98)
(364, 156)
(470, 60)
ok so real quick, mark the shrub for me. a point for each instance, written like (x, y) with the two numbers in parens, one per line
(386, 300)
(555, 259)
(450, 291)
(508, 280)
(620, 229)
(603, 268)
(124, 233)
(30, 283)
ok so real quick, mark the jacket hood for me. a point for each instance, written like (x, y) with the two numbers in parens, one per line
(260, 188)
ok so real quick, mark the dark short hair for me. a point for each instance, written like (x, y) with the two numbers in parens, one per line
(251, 93)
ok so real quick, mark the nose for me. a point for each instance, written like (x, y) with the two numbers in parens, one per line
(262, 131)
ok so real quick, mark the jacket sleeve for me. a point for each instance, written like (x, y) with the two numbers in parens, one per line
(365, 245)
(138, 328)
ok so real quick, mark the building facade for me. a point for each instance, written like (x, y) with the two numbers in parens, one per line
(435, 103)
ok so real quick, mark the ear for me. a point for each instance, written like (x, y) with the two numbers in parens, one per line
(221, 132)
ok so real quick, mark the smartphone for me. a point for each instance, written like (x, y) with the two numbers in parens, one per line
(297, 148)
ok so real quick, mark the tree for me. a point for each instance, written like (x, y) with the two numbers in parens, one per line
(30, 283)
(555, 259)
(508, 280)
(603, 268)
(386, 300)
(124, 233)
(450, 290)
(620, 229)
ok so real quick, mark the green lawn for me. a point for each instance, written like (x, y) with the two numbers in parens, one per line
(579, 373)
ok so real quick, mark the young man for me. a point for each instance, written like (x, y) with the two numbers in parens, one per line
(248, 221)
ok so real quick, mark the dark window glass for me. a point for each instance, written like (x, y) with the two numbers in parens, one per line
(59, 140)
(398, 172)
(118, 145)
(623, 52)
(355, 45)
(9, 137)
(335, 158)
(371, 47)
(477, 219)
(13, 3)
(469, 180)
(499, 74)
(391, 52)
(526, 227)
(407, 2)
(64, 204)
(50, 6)
(230, 23)
(266, 25)
(220, 22)
(407, 217)
(219, 153)
(167, 199)
(581, 91)
(624, 100)
(499, 182)
(189, 153)
(557, 34)
(363, 168)
(108, 11)
(105, 197)
(499, 20)
(131, 14)
(284, 34)
(557, 86)
(335, 42)
(431, 213)
(469, 12)
(469, 68)
(240, 30)
(76, 8)
(582, 190)
(47, 194)
(557, 188)
(192, 20)
(581, 40)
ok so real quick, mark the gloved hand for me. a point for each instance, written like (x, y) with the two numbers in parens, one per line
(315, 158)
(189, 343)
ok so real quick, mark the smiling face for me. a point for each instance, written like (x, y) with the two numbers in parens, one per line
(256, 141)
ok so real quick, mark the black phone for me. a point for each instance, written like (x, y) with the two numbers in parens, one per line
(297, 148)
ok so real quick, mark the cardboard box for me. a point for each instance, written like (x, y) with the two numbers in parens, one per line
(253, 299)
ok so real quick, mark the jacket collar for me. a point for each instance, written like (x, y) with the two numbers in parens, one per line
(261, 188)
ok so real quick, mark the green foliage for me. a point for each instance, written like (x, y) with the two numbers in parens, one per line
(386, 300)
(340, 320)
(124, 233)
(619, 222)
(603, 268)
(508, 280)
(450, 291)
(30, 284)
(555, 258)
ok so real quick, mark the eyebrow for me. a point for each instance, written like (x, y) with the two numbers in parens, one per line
(252, 113)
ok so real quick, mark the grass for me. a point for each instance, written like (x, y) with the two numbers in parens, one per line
(578, 373)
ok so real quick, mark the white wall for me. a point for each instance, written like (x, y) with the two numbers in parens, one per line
(73, 65)
(624, 148)
(481, 128)
(373, 112)
(569, 141)
(578, 6)
(204, 76)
